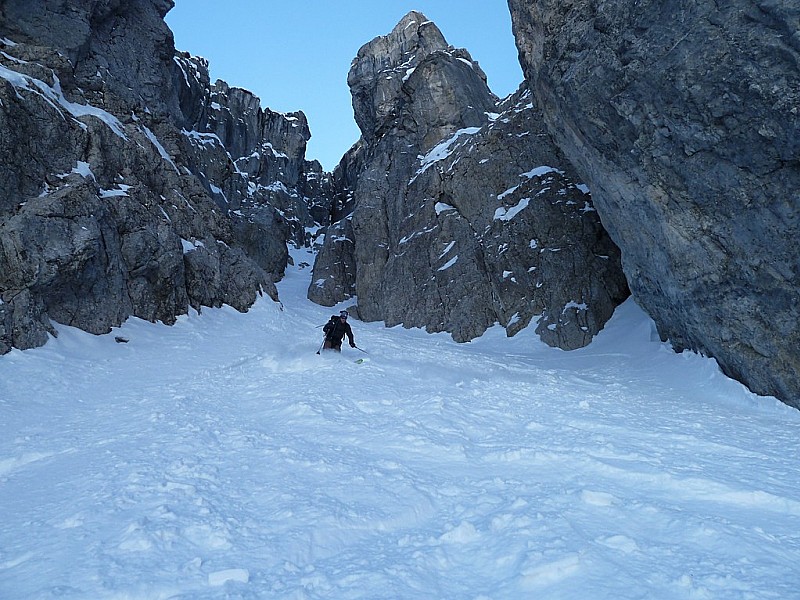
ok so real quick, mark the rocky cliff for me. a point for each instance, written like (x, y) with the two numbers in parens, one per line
(250, 157)
(129, 185)
(684, 120)
(458, 221)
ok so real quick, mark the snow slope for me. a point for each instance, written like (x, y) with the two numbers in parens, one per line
(223, 458)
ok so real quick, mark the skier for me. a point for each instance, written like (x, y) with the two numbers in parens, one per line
(335, 330)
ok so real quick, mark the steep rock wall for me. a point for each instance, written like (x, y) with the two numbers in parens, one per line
(457, 222)
(117, 195)
(683, 119)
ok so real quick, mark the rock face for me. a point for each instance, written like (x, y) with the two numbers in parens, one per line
(684, 120)
(128, 184)
(248, 157)
(458, 221)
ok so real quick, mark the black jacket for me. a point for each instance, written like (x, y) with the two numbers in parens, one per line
(336, 329)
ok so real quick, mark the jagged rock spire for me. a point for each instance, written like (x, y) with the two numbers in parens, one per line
(383, 66)
(458, 221)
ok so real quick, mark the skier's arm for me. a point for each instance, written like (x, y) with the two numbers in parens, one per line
(349, 332)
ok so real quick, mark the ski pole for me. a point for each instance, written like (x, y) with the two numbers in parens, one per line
(322, 345)
(360, 350)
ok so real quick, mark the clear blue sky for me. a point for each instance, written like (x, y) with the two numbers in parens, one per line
(296, 55)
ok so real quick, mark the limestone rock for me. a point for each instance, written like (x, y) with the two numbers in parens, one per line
(101, 61)
(118, 194)
(683, 119)
(251, 160)
(457, 221)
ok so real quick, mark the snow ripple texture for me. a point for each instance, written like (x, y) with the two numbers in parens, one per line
(223, 458)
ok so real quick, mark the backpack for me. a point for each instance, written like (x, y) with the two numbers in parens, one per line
(334, 329)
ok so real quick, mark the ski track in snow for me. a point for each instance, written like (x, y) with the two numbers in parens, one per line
(223, 458)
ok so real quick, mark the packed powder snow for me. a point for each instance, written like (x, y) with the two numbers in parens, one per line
(223, 458)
